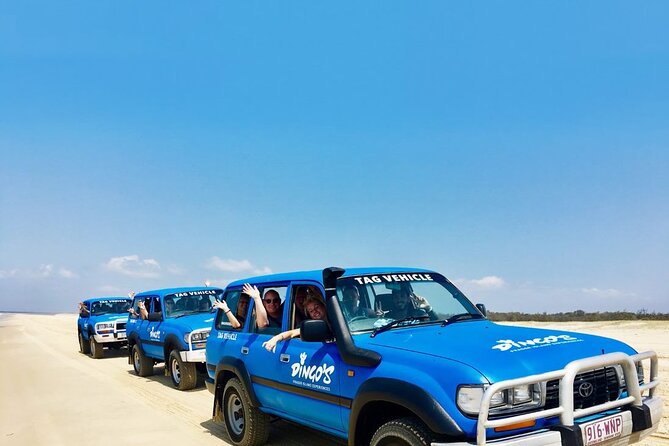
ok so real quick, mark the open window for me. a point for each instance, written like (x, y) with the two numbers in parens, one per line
(273, 299)
(239, 304)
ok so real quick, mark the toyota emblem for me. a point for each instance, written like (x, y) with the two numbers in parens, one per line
(585, 389)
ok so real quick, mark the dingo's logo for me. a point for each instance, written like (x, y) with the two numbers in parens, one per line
(154, 334)
(314, 373)
(508, 344)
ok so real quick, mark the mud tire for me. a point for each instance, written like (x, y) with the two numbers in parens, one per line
(246, 425)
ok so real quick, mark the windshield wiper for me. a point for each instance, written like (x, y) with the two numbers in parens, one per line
(397, 322)
(460, 317)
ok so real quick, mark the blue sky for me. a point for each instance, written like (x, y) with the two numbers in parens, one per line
(521, 149)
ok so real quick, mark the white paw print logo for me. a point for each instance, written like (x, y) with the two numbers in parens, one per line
(303, 357)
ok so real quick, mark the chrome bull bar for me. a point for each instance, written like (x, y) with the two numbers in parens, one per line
(565, 409)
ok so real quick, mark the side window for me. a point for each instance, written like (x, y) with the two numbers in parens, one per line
(239, 306)
(134, 314)
(273, 299)
(156, 305)
(300, 295)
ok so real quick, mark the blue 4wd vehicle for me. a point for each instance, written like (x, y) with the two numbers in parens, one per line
(174, 332)
(405, 358)
(101, 324)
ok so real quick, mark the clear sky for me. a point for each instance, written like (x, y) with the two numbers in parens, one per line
(519, 148)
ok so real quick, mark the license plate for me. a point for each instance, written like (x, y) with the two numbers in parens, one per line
(602, 430)
(120, 335)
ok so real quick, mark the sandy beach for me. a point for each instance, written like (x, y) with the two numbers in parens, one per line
(52, 395)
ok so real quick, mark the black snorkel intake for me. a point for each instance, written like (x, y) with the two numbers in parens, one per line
(348, 351)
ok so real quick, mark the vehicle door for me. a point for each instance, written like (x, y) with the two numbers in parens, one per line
(310, 373)
(152, 334)
(225, 340)
(263, 366)
(134, 324)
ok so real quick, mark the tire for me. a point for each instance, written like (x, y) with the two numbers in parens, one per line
(402, 432)
(183, 374)
(97, 350)
(84, 346)
(143, 366)
(246, 425)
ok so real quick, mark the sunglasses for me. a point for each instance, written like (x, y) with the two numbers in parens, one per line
(273, 301)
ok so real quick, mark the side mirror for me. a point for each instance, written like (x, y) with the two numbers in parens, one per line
(154, 317)
(315, 331)
(482, 309)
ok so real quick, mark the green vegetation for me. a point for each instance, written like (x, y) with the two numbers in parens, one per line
(579, 315)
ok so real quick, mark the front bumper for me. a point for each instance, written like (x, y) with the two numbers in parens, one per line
(104, 338)
(193, 355)
(634, 429)
(634, 414)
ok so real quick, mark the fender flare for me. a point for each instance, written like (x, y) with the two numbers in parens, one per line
(237, 367)
(172, 339)
(134, 339)
(414, 398)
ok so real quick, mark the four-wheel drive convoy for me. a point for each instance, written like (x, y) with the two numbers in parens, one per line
(175, 332)
(406, 359)
(101, 324)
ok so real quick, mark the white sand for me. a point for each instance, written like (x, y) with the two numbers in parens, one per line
(50, 394)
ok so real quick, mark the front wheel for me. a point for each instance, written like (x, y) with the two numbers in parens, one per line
(143, 366)
(402, 432)
(97, 350)
(246, 425)
(184, 374)
(84, 347)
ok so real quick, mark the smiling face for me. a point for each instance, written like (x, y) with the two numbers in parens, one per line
(315, 309)
(272, 303)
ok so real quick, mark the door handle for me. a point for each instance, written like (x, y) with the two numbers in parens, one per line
(284, 358)
(245, 350)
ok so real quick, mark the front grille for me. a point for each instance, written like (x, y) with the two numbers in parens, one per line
(120, 326)
(590, 388)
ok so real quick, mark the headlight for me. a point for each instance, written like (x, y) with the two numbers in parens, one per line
(200, 336)
(522, 394)
(621, 375)
(469, 399)
(508, 400)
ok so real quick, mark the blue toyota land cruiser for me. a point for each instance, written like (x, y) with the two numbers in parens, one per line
(101, 324)
(173, 330)
(402, 357)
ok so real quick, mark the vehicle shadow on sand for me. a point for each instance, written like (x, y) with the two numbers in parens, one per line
(159, 376)
(282, 433)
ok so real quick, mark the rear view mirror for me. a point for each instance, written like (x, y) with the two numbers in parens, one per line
(482, 309)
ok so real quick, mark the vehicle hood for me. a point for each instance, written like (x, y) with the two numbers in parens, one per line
(498, 352)
(194, 321)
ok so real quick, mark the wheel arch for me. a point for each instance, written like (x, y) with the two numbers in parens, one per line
(380, 400)
(171, 343)
(230, 367)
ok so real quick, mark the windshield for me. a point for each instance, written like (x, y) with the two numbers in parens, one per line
(112, 306)
(373, 301)
(190, 302)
